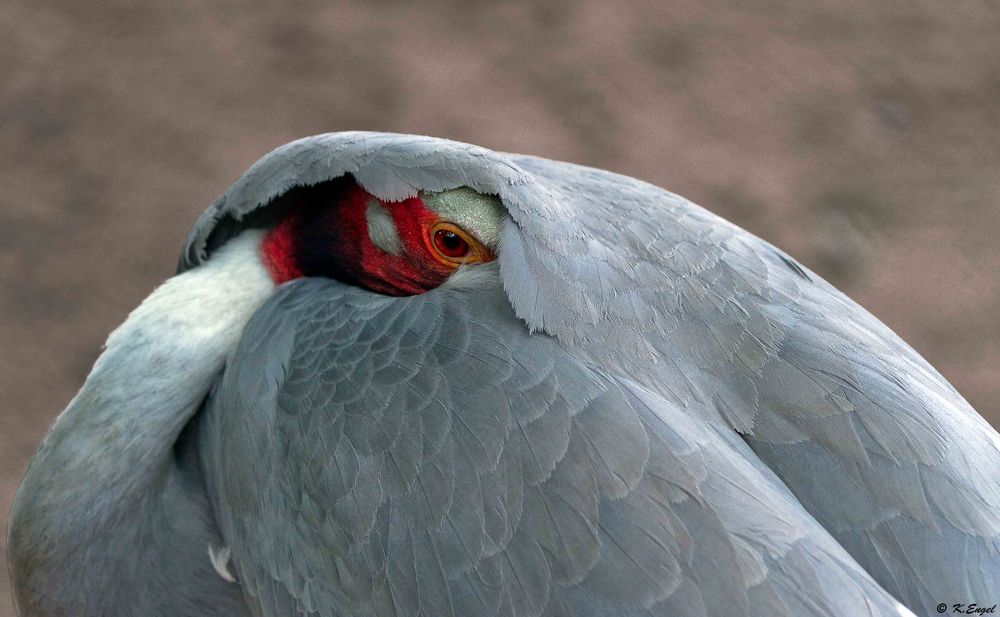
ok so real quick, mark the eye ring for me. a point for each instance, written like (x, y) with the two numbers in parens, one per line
(453, 246)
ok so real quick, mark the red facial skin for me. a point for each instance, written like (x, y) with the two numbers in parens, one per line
(326, 234)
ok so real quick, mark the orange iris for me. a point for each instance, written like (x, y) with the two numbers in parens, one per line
(453, 246)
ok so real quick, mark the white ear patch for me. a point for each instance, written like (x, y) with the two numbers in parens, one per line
(220, 561)
(382, 229)
(481, 215)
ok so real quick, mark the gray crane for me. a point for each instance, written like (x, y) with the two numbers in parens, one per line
(404, 376)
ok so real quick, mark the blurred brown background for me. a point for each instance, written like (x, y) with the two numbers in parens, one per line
(862, 137)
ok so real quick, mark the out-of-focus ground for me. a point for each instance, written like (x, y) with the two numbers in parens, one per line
(862, 137)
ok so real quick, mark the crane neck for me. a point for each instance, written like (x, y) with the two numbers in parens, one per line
(110, 452)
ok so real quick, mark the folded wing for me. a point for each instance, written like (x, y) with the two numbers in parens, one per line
(428, 456)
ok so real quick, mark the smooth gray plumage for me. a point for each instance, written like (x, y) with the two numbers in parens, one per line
(643, 410)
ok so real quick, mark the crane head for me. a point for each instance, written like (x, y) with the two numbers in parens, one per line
(341, 231)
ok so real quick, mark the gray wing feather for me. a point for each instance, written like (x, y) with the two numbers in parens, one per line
(872, 440)
(373, 456)
(639, 282)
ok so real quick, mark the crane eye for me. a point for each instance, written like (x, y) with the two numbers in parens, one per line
(450, 244)
(453, 246)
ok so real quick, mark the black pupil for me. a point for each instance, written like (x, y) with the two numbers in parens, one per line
(451, 241)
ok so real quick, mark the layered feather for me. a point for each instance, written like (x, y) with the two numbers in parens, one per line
(486, 471)
(638, 283)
